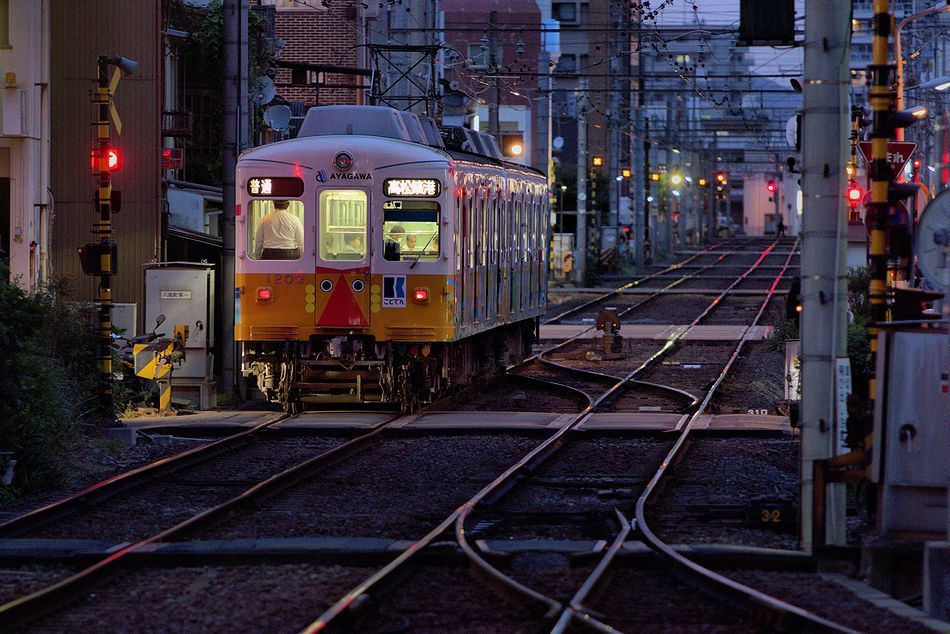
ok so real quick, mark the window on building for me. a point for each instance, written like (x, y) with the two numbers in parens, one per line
(411, 230)
(5, 24)
(565, 11)
(566, 64)
(342, 224)
(275, 230)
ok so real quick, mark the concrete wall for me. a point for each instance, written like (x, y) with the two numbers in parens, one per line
(81, 31)
(24, 138)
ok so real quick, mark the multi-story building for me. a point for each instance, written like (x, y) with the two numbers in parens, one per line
(25, 202)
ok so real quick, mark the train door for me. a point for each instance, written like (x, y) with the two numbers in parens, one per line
(341, 289)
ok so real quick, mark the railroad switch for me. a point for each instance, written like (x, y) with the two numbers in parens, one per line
(611, 344)
(155, 360)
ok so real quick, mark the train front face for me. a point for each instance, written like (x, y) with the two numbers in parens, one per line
(369, 288)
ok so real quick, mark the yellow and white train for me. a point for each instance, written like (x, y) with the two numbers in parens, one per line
(419, 267)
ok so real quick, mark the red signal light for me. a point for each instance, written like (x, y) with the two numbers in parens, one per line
(113, 160)
(855, 193)
(770, 186)
(421, 296)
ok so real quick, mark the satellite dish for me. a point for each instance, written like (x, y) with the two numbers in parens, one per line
(932, 242)
(265, 93)
(277, 117)
(558, 142)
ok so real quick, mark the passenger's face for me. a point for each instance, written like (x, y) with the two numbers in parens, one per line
(411, 241)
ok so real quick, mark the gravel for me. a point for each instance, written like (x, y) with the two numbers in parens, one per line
(826, 599)
(658, 601)
(400, 489)
(149, 509)
(755, 381)
(574, 495)
(449, 599)
(272, 598)
(16, 582)
(93, 460)
(669, 309)
(727, 472)
(509, 395)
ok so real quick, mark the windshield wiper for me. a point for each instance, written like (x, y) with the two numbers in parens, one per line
(423, 251)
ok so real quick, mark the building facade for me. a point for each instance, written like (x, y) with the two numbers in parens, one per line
(26, 205)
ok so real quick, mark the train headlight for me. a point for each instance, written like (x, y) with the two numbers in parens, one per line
(264, 294)
(420, 296)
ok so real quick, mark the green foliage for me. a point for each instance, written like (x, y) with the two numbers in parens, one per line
(48, 365)
(782, 331)
(204, 64)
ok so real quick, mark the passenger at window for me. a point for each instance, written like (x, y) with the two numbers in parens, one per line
(280, 234)
(393, 246)
(411, 242)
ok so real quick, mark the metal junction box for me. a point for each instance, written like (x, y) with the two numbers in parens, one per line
(184, 293)
(912, 431)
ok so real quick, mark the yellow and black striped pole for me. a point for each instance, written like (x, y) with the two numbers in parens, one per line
(103, 101)
(882, 104)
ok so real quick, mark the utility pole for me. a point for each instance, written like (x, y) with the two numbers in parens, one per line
(645, 217)
(580, 261)
(639, 151)
(235, 139)
(493, 69)
(824, 272)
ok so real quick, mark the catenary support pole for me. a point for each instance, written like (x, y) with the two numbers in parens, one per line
(235, 135)
(824, 280)
(580, 258)
(641, 168)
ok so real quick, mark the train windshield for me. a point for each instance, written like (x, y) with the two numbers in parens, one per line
(342, 224)
(411, 230)
(275, 229)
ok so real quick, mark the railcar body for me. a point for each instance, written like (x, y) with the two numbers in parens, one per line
(421, 267)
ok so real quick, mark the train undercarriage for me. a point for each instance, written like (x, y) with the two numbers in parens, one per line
(357, 369)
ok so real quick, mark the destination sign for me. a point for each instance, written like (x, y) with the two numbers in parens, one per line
(405, 187)
(275, 187)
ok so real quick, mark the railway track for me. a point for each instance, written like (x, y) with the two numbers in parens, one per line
(469, 529)
(522, 472)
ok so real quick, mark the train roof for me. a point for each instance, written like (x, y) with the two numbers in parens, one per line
(305, 150)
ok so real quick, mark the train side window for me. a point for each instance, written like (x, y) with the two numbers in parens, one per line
(342, 225)
(411, 231)
(275, 229)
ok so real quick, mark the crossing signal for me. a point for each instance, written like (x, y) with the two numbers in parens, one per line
(770, 187)
(598, 161)
(113, 160)
(855, 194)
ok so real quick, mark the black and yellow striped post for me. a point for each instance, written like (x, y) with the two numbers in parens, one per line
(103, 101)
(882, 100)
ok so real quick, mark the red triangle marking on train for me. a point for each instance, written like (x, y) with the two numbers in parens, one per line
(342, 309)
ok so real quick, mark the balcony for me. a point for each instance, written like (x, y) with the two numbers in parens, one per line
(176, 123)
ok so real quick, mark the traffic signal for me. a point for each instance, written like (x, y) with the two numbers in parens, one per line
(654, 177)
(721, 177)
(598, 161)
(855, 194)
(770, 187)
(512, 144)
(703, 182)
(626, 172)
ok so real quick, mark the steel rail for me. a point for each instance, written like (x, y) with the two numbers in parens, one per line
(620, 290)
(790, 615)
(51, 597)
(357, 596)
(128, 480)
(576, 609)
(549, 446)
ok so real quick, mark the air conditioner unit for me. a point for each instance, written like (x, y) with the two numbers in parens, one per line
(13, 119)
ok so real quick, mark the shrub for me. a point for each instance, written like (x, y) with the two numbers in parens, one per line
(47, 367)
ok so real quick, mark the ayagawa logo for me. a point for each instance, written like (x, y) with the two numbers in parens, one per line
(321, 176)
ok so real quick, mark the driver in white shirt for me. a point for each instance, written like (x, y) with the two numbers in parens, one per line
(280, 234)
